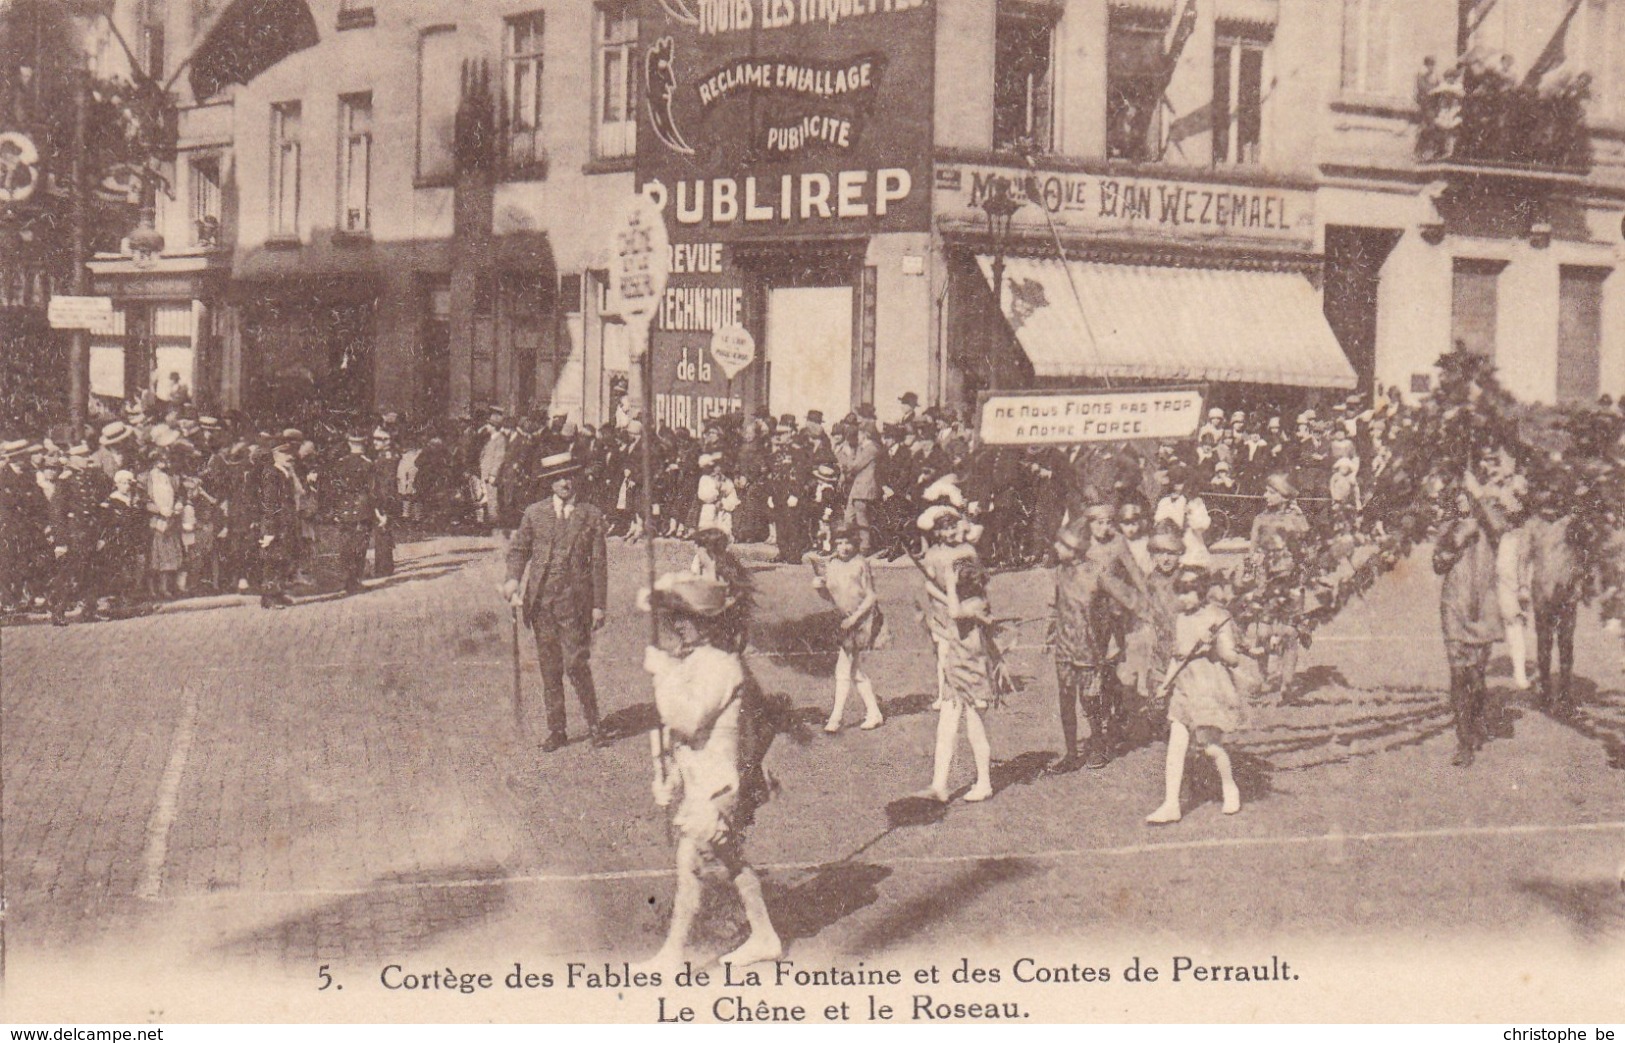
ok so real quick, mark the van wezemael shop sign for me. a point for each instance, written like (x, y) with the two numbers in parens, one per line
(1129, 206)
(772, 120)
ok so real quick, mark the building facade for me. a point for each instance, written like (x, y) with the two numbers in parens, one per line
(937, 196)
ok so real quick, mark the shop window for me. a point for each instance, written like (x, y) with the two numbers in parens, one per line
(205, 204)
(522, 90)
(1579, 334)
(1023, 81)
(1473, 304)
(355, 163)
(1135, 78)
(615, 119)
(1238, 102)
(439, 81)
(1367, 45)
(285, 119)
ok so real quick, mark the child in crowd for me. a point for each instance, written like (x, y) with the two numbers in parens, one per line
(848, 581)
(1203, 703)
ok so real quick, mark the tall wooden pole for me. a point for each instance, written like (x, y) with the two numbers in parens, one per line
(646, 368)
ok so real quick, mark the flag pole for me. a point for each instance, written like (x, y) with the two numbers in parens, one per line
(645, 333)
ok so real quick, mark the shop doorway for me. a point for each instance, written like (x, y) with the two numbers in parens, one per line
(809, 350)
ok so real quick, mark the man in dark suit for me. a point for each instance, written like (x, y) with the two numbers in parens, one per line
(558, 549)
(351, 504)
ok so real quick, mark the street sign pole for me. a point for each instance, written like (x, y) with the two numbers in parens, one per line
(639, 266)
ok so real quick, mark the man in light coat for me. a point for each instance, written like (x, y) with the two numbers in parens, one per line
(859, 458)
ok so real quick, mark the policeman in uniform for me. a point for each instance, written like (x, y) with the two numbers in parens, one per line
(558, 550)
(352, 507)
(74, 527)
(279, 489)
(788, 481)
(386, 501)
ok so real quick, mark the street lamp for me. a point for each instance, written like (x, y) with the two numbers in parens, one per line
(1000, 205)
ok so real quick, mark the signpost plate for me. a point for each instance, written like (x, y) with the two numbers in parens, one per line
(81, 313)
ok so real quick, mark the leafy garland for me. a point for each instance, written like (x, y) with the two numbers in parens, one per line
(1569, 456)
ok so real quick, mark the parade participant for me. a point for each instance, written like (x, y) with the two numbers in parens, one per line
(1131, 522)
(1186, 511)
(1276, 534)
(386, 500)
(955, 611)
(713, 560)
(1469, 615)
(1162, 603)
(1124, 586)
(1556, 582)
(1079, 645)
(352, 505)
(277, 523)
(558, 550)
(1203, 703)
(708, 755)
(848, 581)
(1496, 482)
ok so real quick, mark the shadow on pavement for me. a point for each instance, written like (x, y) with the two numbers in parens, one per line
(398, 914)
(806, 645)
(947, 898)
(1599, 717)
(1022, 770)
(833, 892)
(1594, 908)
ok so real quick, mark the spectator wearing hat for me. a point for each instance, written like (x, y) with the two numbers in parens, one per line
(25, 552)
(790, 489)
(815, 440)
(277, 523)
(717, 496)
(352, 505)
(859, 459)
(750, 478)
(73, 532)
(1185, 510)
(714, 735)
(112, 453)
(558, 551)
(911, 407)
(386, 500)
(165, 508)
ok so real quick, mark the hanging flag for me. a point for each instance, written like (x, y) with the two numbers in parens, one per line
(248, 38)
(1180, 30)
(1556, 50)
(1179, 34)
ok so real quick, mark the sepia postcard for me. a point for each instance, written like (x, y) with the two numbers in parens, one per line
(857, 512)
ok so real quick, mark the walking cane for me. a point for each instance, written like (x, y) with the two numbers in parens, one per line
(518, 689)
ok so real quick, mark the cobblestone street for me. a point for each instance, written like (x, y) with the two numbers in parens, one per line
(219, 789)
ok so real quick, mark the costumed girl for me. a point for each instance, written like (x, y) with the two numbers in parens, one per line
(955, 612)
(708, 756)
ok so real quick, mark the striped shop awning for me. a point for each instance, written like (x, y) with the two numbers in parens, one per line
(1142, 322)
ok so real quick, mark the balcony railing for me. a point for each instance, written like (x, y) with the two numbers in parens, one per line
(1487, 118)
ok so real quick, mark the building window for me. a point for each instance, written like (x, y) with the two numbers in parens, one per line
(205, 206)
(285, 170)
(355, 14)
(1023, 81)
(1473, 305)
(355, 162)
(616, 118)
(153, 13)
(1136, 75)
(1594, 43)
(522, 88)
(1579, 334)
(439, 81)
(1238, 102)
(1367, 43)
